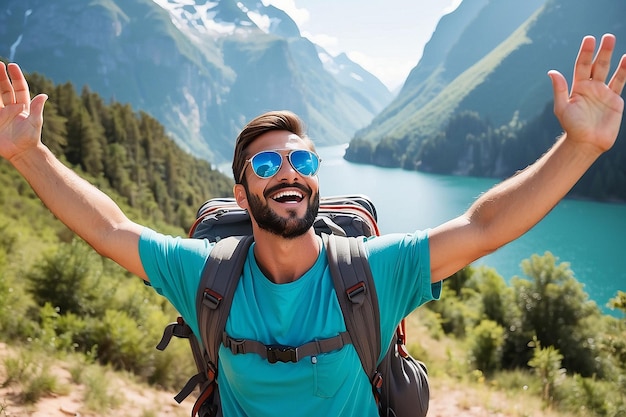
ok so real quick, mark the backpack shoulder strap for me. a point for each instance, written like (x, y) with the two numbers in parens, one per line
(356, 293)
(217, 288)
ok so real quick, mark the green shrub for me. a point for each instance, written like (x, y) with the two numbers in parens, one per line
(485, 346)
(123, 343)
(555, 308)
(67, 278)
(15, 302)
(618, 302)
(79, 363)
(496, 300)
(40, 384)
(456, 314)
(547, 365)
(591, 396)
(100, 395)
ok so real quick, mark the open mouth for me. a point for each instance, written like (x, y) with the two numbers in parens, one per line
(291, 196)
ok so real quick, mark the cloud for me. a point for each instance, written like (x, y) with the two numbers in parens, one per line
(391, 71)
(328, 42)
(452, 7)
(299, 16)
(390, 57)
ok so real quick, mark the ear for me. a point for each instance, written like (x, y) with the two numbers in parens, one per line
(240, 196)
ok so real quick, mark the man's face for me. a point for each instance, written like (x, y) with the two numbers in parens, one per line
(286, 204)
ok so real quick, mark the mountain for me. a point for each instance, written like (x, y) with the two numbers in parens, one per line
(491, 57)
(354, 76)
(462, 39)
(201, 68)
(480, 102)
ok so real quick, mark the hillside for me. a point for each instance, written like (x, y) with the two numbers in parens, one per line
(472, 110)
(126, 397)
(491, 57)
(445, 73)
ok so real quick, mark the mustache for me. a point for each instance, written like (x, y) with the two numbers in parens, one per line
(279, 187)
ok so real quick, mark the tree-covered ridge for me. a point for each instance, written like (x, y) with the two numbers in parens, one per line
(470, 145)
(127, 152)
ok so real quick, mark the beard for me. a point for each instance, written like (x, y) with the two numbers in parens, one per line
(289, 227)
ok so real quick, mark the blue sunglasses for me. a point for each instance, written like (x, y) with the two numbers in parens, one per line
(266, 164)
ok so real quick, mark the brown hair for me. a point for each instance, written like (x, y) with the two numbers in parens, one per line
(274, 120)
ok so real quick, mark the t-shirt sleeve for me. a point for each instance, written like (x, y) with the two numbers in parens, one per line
(400, 265)
(174, 266)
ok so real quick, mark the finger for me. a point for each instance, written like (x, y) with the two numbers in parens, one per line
(37, 105)
(20, 86)
(560, 90)
(584, 60)
(602, 62)
(6, 89)
(619, 78)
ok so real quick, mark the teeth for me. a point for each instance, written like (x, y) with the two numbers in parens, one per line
(284, 194)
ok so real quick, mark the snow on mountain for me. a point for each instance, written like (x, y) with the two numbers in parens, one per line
(188, 16)
(226, 17)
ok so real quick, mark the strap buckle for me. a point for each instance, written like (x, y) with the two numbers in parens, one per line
(236, 346)
(178, 328)
(356, 293)
(280, 353)
(211, 299)
(377, 381)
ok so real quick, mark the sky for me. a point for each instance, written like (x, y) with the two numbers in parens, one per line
(386, 37)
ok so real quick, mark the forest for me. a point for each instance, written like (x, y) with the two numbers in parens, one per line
(469, 145)
(128, 152)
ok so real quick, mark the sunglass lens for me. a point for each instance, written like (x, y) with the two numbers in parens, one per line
(266, 164)
(305, 162)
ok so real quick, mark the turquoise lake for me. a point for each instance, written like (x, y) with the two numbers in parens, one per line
(590, 236)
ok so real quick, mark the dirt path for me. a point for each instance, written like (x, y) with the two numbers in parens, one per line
(141, 401)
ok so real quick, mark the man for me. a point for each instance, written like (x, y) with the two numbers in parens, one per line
(285, 295)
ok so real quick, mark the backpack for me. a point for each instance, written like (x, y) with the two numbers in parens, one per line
(399, 382)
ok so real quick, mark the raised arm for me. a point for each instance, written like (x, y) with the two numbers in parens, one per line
(590, 116)
(82, 207)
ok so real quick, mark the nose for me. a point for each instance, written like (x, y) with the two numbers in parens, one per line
(287, 171)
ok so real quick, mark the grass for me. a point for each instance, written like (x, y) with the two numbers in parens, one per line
(100, 394)
(32, 372)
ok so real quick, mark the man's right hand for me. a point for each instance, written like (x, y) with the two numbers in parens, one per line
(20, 118)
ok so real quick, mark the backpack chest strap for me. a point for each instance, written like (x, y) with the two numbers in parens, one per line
(282, 353)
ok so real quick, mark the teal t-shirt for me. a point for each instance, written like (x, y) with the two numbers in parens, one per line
(330, 384)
